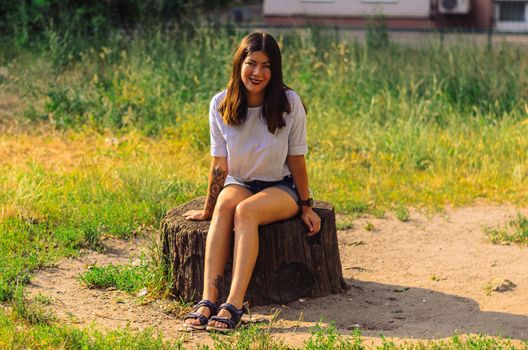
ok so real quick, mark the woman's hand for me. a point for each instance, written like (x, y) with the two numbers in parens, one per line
(311, 219)
(197, 215)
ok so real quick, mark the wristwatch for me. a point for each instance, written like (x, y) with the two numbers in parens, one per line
(306, 202)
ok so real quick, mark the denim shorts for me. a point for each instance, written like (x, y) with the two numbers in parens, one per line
(286, 184)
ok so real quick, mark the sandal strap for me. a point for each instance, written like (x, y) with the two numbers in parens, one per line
(236, 314)
(213, 309)
(228, 321)
(196, 315)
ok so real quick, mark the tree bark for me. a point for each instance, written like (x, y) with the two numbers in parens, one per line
(290, 265)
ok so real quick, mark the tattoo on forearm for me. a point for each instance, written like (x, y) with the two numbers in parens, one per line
(217, 183)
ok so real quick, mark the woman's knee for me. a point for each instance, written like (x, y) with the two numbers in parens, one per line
(226, 205)
(245, 214)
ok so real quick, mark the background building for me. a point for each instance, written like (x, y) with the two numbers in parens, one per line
(506, 15)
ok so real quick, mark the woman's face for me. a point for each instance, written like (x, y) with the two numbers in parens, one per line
(256, 72)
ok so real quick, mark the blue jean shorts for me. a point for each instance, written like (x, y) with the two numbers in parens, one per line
(255, 186)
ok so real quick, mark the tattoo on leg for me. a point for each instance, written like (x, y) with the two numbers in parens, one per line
(218, 177)
(217, 282)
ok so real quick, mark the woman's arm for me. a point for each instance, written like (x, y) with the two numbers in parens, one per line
(217, 176)
(297, 167)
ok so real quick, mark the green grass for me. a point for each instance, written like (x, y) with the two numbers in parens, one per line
(515, 231)
(369, 226)
(128, 278)
(32, 311)
(328, 338)
(16, 335)
(402, 213)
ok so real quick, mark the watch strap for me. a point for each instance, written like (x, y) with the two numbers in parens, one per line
(305, 202)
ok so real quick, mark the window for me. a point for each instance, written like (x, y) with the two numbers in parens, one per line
(512, 11)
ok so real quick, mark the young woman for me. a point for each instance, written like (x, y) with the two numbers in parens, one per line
(258, 174)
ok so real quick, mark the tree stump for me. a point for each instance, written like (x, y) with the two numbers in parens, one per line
(290, 265)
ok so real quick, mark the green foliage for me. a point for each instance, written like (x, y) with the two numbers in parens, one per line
(323, 338)
(151, 273)
(515, 231)
(128, 278)
(24, 245)
(369, 226)
(345, 222)
(250, 337)
(26, 20)
(33, 311)
(157, 274)
(377, 35)
(54, 213)
(158, 78)
(55, 336)
(377, 212)
(402, 213)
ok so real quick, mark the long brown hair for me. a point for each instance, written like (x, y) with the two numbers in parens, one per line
(233, 107)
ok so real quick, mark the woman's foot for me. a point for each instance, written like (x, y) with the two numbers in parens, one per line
(197, 320)
(228, 318)
(218, 324)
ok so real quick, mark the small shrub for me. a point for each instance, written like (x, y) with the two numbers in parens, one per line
(92, 238)
(377, 36)
(123, 277)
(515, 231)
(323, 338)
(369, 226)
(402, 213)
(377, 212)
(344, 222)
(32, 311)
(251, 337)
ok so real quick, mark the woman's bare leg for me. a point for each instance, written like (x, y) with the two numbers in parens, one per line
(218, 242)
(267, 206)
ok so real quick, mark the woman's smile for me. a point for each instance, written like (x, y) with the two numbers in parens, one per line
(256, 74)
(256, 81)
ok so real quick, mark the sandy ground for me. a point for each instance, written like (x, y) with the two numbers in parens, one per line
(421, 279)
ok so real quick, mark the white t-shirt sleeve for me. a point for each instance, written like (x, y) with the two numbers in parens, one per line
(297, 137)
(218, 142)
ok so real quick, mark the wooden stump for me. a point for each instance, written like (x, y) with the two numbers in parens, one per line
(290, 265)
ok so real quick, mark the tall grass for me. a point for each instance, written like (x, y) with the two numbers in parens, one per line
(162, 78)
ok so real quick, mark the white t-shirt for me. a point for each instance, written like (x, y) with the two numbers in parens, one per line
(252, 152)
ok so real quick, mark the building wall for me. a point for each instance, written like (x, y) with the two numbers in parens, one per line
(353, 22)
(347, 8)
(399, 14)
(482, 13)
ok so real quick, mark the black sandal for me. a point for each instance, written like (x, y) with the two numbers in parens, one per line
(232, 323)
(213, 309)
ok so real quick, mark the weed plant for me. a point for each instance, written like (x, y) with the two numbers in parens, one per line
(515, 231)
(128, 278)
(402, 213)
(32, 311)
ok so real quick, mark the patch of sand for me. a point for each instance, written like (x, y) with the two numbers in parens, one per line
(421, 279)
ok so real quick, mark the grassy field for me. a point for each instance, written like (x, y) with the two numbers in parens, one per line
(102, 138)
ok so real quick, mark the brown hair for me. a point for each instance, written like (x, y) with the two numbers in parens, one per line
(233, 107)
